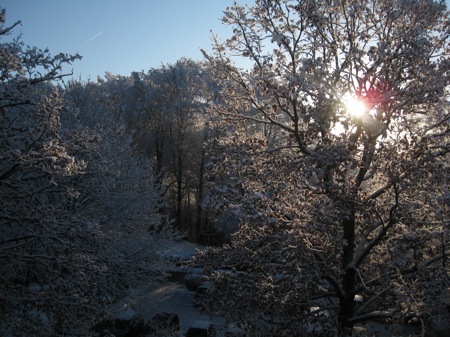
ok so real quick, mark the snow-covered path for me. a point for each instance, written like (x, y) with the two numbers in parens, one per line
(171, 296)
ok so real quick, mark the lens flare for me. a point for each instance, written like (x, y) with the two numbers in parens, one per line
(355, 106)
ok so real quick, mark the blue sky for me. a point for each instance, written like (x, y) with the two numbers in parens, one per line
(119, 36)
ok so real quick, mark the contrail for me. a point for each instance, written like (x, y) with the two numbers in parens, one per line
(96, 35)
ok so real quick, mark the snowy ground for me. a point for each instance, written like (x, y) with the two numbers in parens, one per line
(171, 296)
(181, 249)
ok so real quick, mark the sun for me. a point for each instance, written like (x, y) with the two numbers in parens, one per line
(354, 106)
(355, 109)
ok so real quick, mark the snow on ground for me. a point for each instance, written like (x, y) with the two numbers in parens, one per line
(171, 296)
(181, 249)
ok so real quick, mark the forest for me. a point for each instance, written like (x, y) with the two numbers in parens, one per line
(317, 177)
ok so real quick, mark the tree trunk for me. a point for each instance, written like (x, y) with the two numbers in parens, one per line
(179, 192)
(349, 278)
(159, 158)
(200, 183)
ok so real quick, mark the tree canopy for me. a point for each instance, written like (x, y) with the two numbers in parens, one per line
(78, 204)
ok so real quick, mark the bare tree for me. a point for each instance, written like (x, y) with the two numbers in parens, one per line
(347, 196)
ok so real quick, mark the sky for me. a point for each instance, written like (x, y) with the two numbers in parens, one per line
(119, 36)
